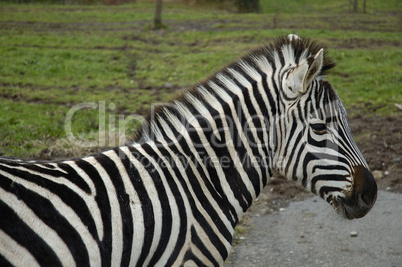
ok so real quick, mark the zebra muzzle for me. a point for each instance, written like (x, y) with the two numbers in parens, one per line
(359, 201)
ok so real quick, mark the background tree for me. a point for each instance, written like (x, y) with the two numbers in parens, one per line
(158, 15)
(354, 6)
(248, 6)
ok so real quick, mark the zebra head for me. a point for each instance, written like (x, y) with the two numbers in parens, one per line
(324, 158)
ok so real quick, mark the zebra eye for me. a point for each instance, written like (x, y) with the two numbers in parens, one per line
(319, 127)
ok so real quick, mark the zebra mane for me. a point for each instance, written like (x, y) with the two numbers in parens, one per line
(302, 48)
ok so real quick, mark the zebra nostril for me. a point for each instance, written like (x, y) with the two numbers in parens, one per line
(364, 200)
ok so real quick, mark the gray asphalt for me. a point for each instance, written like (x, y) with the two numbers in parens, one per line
(309, 233)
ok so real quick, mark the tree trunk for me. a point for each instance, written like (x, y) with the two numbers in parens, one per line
(248, 6)
(364, 6)
(158, 15)
(355, 6)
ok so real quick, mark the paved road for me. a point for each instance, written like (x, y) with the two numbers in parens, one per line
(309, 233)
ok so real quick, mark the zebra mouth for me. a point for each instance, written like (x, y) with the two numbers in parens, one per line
(357, 201)
(341, 208)
(349, 208)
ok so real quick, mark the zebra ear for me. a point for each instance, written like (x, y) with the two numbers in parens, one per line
(314, 65)
(301, 76)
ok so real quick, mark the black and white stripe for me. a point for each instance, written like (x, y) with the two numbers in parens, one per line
(174, 196)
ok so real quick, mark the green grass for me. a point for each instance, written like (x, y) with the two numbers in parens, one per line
(54, 57)
(369, 75)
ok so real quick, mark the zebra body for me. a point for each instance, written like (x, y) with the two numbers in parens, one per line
(174, 196)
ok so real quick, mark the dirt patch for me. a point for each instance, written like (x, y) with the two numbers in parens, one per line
(44, 27)
(380, 141)
(385, 22)
(356, 43)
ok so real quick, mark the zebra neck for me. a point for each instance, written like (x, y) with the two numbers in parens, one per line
(220, 138)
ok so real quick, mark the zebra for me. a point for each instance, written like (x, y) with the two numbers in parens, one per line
(174, 195)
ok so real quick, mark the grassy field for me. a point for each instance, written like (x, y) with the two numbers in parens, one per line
(55, 57)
